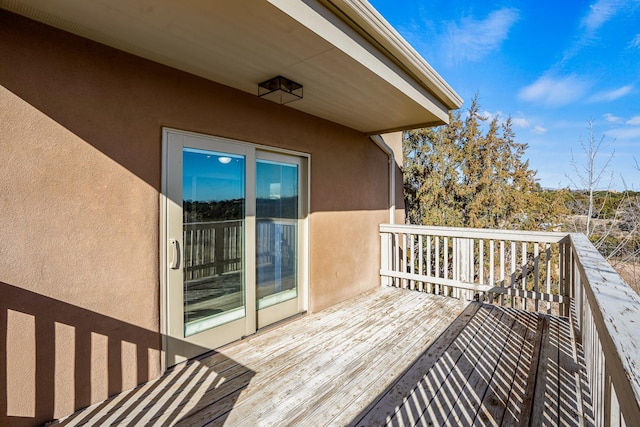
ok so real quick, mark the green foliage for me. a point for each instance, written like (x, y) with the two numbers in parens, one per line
(606, 203)
(458, 175)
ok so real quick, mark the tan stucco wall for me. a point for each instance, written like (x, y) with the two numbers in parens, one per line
(80, 148)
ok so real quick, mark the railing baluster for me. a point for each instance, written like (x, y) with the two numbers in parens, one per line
(502, 269)
(420, 260)
(569, 281)
(561, 256)
(396, 258)
(492, 267)
(513, 271)
(524, 273)
(548, 264)
(472, 270)
(455, 267)
(412, 266)
(437, 255)
(404, 258)
(429, 286)
(481, 262)
(536, 273)
(446, 264)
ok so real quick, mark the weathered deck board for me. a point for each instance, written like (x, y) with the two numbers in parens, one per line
(507, 371)
(489, 362)
(520, 401)
(390, 356)
(453, 371)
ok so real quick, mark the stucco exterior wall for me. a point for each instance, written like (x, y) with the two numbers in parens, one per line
(80, 152)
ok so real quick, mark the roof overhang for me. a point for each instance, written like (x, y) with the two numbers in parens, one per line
(355, 68)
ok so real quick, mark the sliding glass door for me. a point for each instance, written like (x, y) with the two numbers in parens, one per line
(232, 241)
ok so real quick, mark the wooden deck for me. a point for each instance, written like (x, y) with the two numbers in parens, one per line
(390, 356)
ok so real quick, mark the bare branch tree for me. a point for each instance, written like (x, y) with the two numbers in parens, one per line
(589, 174)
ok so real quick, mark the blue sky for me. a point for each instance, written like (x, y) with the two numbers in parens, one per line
(551, 66)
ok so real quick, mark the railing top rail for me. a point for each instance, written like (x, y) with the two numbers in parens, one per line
(615, 306)
(477, 233)
(224, 221)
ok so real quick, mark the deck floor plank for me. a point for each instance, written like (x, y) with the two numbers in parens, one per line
(494, 401)
(354, 376)
(282, 373)
(545, 402)
(359, 390)
(520, 399)
(424, 373)
(519, 390)
(470, 361)
(379, 409)
(492, 363)
(333, 358)
(410, 389)
(389, 356)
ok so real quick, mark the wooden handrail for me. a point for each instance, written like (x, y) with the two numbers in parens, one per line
(477, 233)
(608, 316)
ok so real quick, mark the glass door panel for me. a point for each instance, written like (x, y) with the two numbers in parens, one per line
(277, 213)
(213, 190)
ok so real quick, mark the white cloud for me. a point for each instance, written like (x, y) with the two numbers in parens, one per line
(624, 133)
(611, 95)
(635, 43)
(600, 13)
(635, 121)
(554, 91)
(472, 39)
(539, 130)
(489, 116)
(611, 118)
(521, 122)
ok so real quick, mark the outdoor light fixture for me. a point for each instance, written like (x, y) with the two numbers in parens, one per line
(280, 89)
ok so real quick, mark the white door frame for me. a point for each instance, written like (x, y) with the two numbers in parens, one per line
(166, 206)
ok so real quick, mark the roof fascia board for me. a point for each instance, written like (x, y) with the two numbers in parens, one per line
(368, 21)
(406, 128)
(325, 23)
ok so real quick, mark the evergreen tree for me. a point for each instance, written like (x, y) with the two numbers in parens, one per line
(458, 175)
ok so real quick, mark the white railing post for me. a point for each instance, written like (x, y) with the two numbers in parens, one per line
(385, 258)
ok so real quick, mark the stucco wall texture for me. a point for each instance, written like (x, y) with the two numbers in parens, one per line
(80, 149)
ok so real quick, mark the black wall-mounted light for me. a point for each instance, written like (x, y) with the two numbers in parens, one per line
(280, 89)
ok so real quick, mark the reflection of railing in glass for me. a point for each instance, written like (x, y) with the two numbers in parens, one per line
(266, 241)
(276, 259)
(213, 265)
(213, 279)
(212, 248)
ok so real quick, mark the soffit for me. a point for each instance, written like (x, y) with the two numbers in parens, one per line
(240, 43)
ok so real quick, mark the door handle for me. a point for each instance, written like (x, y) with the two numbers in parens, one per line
(175, 254)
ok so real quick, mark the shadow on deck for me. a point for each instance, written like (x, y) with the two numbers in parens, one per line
(390, 356)
(502, 367)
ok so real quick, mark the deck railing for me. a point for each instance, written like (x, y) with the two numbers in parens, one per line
(535, 271)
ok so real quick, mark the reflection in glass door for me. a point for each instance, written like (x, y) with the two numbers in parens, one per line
(213, 191)
(277, 232)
